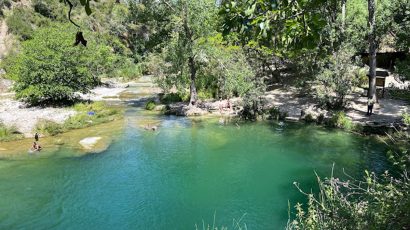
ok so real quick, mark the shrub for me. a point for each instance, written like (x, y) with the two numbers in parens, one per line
(403, 68)
(321, 118)
(406, 119)
(400, 94)
(274, 113)
(18, 25)
(89, 114)
(377, 202)
(150, 105)
(49, 127)
(336, 79)
(4, 4)
(171, 98)
(374, 203)
(203, 95)
(340, 120)
(43, 9)
(9, 133)
(309, 118)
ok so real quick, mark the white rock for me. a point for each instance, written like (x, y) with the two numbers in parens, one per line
(89, 142)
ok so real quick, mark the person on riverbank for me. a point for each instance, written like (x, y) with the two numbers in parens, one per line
(36, 137)
(370, 104)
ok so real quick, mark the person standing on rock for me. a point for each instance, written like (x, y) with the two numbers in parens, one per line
(36, 137)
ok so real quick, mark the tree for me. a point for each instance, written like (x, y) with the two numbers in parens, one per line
(336, 79)
(372, 49)
(50, 70)
(192, 22)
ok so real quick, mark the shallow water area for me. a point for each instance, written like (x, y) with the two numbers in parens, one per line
(52, 145)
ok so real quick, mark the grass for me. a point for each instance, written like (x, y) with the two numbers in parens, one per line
(9, 133)
(236, 225)
(87, 115)
(150, 105)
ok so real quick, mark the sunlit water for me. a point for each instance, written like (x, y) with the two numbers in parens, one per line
(184, 174)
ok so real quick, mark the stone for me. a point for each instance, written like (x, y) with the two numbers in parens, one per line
(89, 142)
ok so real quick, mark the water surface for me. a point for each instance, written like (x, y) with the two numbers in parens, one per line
(181, 175)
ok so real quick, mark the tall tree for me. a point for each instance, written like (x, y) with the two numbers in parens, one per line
(343, 14)
(372, 49)
(193, 22)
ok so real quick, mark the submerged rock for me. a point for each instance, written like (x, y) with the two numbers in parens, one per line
(89, 142)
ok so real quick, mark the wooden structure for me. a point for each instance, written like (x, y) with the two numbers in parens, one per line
(381, 75)
(385, 60)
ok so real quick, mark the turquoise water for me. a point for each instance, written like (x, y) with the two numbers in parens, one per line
(185, 173)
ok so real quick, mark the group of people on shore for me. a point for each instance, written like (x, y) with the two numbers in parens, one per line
(36, 146)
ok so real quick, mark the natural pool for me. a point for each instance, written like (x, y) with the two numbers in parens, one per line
(183, 174)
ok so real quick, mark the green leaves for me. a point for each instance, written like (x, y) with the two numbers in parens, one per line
(282, 25)
(49, 69)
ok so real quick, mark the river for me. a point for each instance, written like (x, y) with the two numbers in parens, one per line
(188, 172)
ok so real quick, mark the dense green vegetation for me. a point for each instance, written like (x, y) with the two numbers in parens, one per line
(205, 50)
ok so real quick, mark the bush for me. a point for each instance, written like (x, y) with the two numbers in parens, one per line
(89, 114)
(21, 22)
(171, 98)
(50, 70)
(321, 118)
(340, 120)
(406, 119)
(377, 202)
(150, 105)
(4, 4)
(18, 25)
(9, 133)
(49, 127)
(336, 79)
(203, 95)
(309, 118)
(400, 94)
(374, 203)
(43, 9)
(403, 68)
(274, 113)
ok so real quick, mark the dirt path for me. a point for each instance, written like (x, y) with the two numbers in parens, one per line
(386, 111)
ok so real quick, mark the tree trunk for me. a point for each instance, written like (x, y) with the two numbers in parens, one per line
(372, 49)
(343, 14)
(191, 61)
(193, 94)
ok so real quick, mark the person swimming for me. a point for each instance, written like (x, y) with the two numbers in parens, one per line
(36, 147)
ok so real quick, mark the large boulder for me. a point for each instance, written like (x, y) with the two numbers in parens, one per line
(89, 142)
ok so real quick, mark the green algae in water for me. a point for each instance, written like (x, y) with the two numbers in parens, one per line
(178, 176)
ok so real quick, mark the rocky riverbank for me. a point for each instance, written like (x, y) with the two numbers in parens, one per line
(289, 104)
(24, 118)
